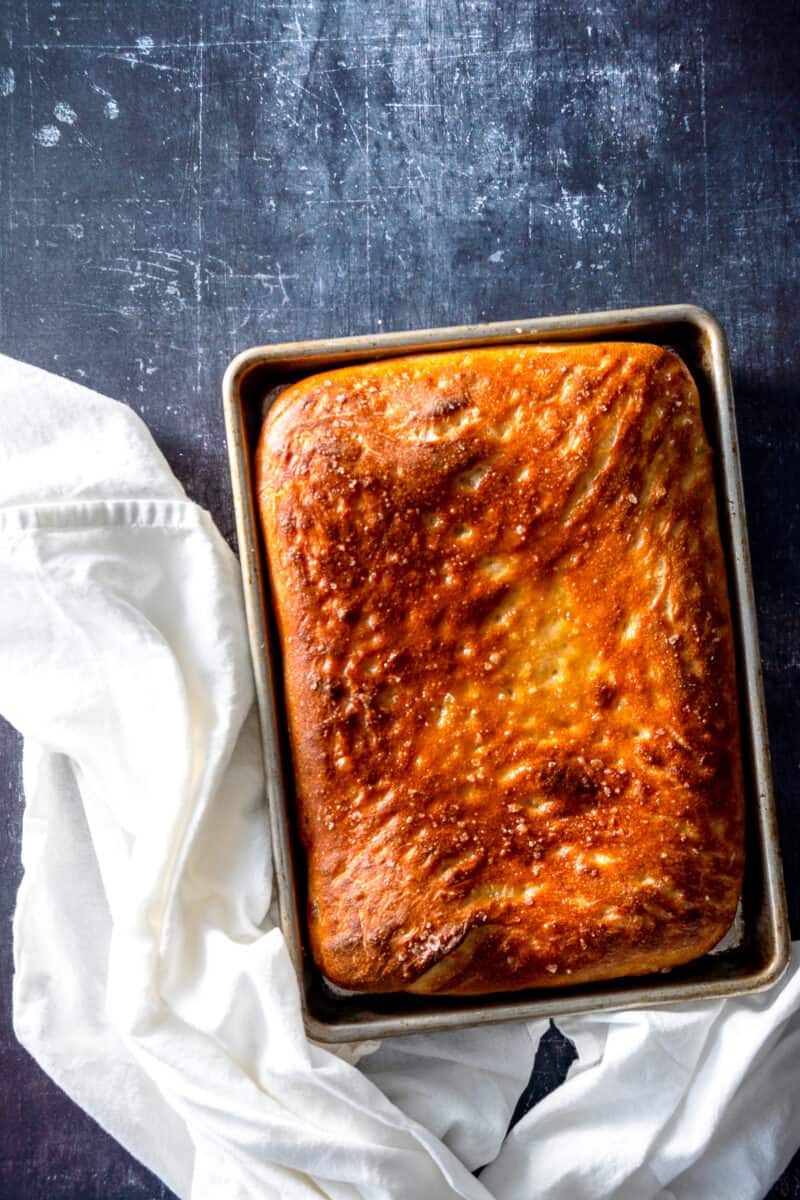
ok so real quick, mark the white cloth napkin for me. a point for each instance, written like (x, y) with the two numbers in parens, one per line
(151, 982)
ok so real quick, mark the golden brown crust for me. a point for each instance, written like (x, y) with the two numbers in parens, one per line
(509, 666)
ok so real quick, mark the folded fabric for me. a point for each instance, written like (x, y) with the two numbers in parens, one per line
(151, 981)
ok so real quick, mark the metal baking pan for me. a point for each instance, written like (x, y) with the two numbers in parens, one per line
(751, 961)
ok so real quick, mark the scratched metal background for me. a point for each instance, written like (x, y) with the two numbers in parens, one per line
(182, 178)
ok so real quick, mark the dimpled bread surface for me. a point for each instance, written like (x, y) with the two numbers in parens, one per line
(508, 666)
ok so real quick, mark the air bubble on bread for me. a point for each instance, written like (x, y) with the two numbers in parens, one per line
(495, 566)
(447, 710)
(388, 698)
(443, 424)
(514, 772)
(503, 891)
(652, 421)
(470, 480)
(630, 630)
(508, 427)
(538, 804)
(507, 609)
(669, 606)
(689, 480)
(575, 439)
(659, 579)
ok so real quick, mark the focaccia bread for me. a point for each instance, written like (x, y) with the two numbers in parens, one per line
(508, 664)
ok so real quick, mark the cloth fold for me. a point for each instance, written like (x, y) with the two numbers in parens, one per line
(150, 979)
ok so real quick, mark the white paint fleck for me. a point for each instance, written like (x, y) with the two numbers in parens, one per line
(704, 130)
(7, 81)
(497, 257)
(75, 231)
(48, 135)
(126, 56)
(65, 113)
(144, 44)
(675, 68)
(572, 209)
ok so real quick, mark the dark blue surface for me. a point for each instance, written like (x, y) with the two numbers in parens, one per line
(182, 178)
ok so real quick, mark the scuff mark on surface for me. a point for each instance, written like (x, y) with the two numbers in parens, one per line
(7, 81)
(74, 228)
(111, 107)
(704, 130)
(367, 187)
(198, 270)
